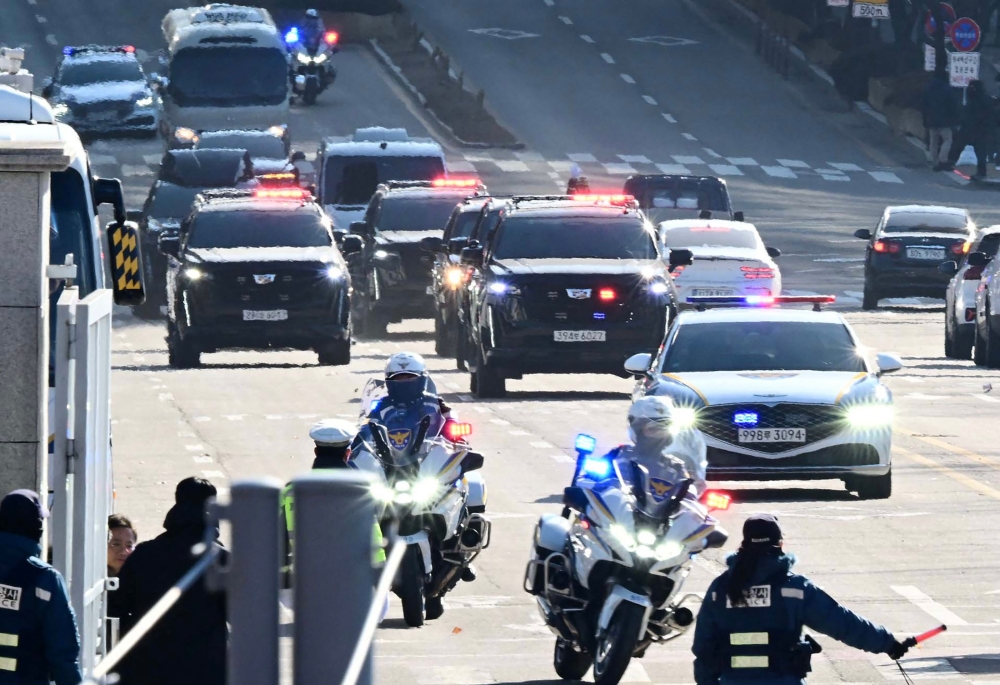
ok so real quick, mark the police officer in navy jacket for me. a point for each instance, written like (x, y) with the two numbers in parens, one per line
(38, 638)
(749, 628)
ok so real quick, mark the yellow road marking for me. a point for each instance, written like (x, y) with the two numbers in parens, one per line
(951, 473)
(954, 449)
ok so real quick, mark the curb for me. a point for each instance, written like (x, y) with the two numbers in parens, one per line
(387, 62)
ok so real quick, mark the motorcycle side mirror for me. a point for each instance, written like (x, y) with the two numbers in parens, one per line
(359, 228)
(575, 497)
(456, 245)
(680, 257)
(472, 256)
(863, 234)
(381, 443)
(351, 244)
(298, 156)
(705, 214)
(773, 252)
(472, 461)
(432, 244)
(739, 216)
(949, 268)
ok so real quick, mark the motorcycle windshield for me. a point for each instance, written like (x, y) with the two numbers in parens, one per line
(652, 494)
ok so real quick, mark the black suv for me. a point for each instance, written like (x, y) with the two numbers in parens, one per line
(565, 286)
(448, 275)
(392, 275)
(257, 269)
(663, 197)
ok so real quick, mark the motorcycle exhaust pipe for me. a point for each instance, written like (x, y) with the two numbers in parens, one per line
(681, 619)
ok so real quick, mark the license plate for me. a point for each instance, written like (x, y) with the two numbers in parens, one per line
(580, 336)
(103, 116)
(772, 435)
(930, 253)
(265, 314)
(711, 292)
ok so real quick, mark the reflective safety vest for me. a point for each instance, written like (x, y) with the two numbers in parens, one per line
(288, 512)
(22, 642)
(764, 636)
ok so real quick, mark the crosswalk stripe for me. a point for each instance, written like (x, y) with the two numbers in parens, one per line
(581, 157)
(560, 165)
(844, 166)
(793, 163)
(529, 156)
(725, 169)
(885, 176)
(98, 159)
(779, 171)
(834, 177)
(478, 157)
(688, 159)
(743, 161)
(635, 159)
(673, 169)
(623, 169)
(511, 165)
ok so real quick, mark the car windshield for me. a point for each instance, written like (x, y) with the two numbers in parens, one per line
(228, 76)
(926, 222)
(87, 71)
(573, 238)
(258, 229)
(709, 236)
(172, 202)
(353, 180)
(762, 346)
(687, 193)
(401, 213)
(266, 146)
(464, 223)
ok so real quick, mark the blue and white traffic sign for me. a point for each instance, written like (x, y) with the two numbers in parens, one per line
(965, 34)
(949, 15)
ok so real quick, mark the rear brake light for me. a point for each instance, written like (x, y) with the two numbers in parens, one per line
(961, 248)
(455, 182)
(281, 193)
(455, 431)
(677, 270)
(604, 199)
(331, 37)
(973, 273)
(970, 313)
(717, 500)
(886, 246)
(606, 294)
(755, 272)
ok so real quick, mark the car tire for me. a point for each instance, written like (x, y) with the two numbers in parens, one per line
(433, 608)
(442, 344)
(979, 350)
(486, 381)
(962, 344)
(335, 353)
(181, 354)
(873, 487)
(461, 345)
(569, 664)
(869, 298)
(992, 357)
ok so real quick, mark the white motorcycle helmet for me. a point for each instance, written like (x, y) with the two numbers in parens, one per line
(405, 377)
(312, 14)
(652, 418)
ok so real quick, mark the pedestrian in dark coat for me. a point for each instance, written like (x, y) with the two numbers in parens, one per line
(940, 112)
(749, 629)
(188, 644)
(39, 641)
(978, 124)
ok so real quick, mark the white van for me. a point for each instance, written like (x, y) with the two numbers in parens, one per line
(227, 68)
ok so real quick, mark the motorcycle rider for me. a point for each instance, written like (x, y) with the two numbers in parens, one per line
(578, 183)
(749, 629)
(313, 29)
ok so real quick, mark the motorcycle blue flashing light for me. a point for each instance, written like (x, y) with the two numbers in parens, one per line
(585, 444)
(293, 35)
(746, 418)
(68, 50)
(596, 468)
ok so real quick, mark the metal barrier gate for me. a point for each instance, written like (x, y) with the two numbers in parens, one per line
(81, 468)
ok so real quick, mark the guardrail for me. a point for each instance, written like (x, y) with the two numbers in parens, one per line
(774, 48)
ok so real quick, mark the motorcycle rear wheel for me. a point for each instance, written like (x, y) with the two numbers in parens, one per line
(569, 664)
(411, 587)
(615, 647)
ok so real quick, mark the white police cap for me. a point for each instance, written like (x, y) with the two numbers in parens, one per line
(332, 433)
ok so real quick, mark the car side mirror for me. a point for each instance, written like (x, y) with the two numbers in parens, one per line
(888, 362)
(472, 461)
(863, 234)
(680, 257)
(705, 214)
(738, 216)
(432, 244)
(108, 191)
(575, 497)
(359, 228)
(298, 156)
(473, 256)
(950, 268)
(456, 245)
(169, 244)
(133, 215)
(351, 244)
(773, 252)
(977, 259)
(126, 263)
(638, 364)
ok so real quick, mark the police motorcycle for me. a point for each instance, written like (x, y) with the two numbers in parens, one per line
(311, 70)
(608, 572)
(428, 486)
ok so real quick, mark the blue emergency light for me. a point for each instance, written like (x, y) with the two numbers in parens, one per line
(596, 468)
(293, 35)
(585, 444)
(762, 300)
(746, 418)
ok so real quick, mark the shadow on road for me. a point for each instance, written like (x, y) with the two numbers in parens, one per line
(976, 663)
(772, 495)
(409, 336)
(210, 367)
(549, 499)
(562, 396)
(393, 624)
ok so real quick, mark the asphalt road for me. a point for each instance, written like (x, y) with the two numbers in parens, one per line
(926, 556)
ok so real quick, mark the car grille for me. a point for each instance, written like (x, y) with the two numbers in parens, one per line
(549, 300)
(416, 262)
(836, 455)
(293, 285)
(819, 420)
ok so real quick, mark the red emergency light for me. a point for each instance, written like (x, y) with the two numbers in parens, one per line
(280, 193)
(455, 431)
(331, 37)
(606, 294)
(603, 199)
(455, 182)
(717, 500)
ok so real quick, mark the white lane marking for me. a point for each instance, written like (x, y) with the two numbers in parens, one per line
(725, 169)
(103, 160)
(833, 177)
(541, 444)
(712, 153)
(465, 398)
(628, 79)
(564, 458)
(566, 20)
(935, 610)
(529, 157)
(687, 159)
(165, 396)
(635, 159)
(186, 434)
(885, 177)
(689, 136)
(195, 448)
(844, 167)
(234, 417)
(779, 171)
(917, 669)
(461, 167)
(607, 58)
(202, 459)
(742, 161)
(673, 169)
(484, 602)
(32, 2)
(550, 3)
(469, 157)
(793, 163)
(213, 474)
(561, 166)
(136, 170)
(554, 175)
(838, 260)
(650, 99)
(500, 422)
(635, 673)
(41, 19)
(152, 159)
(922, 396)
(51, 40)
(518, 432)
(510, 515)
(615, 168)
(202, 419)
(582, 157)
(984, 398)
(586, 38)
(669, 118)
(511, 165)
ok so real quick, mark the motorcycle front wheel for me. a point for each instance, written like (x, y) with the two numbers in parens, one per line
(411, 587)
(616, 645)
(570, 664)
(310, 92)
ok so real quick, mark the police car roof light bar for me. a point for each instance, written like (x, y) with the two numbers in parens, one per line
(456, 183)
(617, 199)
(281, 193)
(762, 300)
(535, 198)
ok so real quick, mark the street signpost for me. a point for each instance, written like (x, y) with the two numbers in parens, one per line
(949, 15)
(963, 67)
(838, 3)
(965, 34)
(930, 58)
(871, 9)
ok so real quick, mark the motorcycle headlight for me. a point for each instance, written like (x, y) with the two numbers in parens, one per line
(425, 490)
(659, 288)
(668, 550)
(869, 416)
(144, 102)
(319, 59)
(382, 493)
(303, 58)
(624, 537)
(646, 537)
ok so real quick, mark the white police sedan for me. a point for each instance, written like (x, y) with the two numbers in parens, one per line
(779, 394)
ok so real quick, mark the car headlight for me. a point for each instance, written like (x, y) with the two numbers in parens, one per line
(194, 274)
(454, 276)
(303, 58)
(277, 130)
(668, 550)
(60, 110)
(334, 272)
(684, 418)
(425, 490)
(185, 135)
(382, 492)
(381, 254)
(659, 288)
(869, 416)
(624, 537)
(501, 288)
(144, 102)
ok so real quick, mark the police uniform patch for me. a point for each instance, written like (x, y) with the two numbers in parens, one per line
(400, 437)
(756, 597)
(10, 597)
(659, 488)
